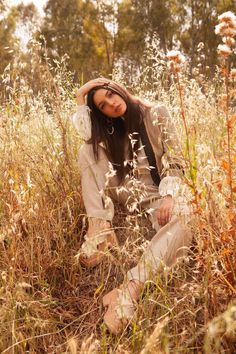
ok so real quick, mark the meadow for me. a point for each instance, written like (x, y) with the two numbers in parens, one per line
(49, 303)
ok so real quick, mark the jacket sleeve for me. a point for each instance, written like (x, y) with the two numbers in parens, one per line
(172, 160)
(82, 122)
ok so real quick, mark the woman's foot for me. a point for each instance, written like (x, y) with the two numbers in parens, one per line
(121, 305)
(98, 240)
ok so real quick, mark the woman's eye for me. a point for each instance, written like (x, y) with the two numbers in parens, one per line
(110, 93)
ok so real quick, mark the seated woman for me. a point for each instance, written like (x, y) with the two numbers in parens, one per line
(131, 154)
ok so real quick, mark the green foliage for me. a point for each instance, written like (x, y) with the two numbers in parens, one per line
(8, 42)
(72, 27)
(101, 37)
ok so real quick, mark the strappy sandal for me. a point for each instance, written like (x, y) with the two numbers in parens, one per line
(121, 309)
(94, 249)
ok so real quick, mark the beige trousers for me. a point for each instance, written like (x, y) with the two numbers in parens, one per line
(99, 187)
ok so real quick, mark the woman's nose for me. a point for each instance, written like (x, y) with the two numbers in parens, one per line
(112, 102)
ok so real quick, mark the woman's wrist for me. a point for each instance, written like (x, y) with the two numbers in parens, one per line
(167, 196)
(80, 99)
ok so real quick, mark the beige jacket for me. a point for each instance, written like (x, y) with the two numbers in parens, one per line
(163, 137)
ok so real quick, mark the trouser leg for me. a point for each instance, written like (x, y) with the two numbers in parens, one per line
(167, 245)
(96, 180)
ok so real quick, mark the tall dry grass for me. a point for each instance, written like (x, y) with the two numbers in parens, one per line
(49, 304)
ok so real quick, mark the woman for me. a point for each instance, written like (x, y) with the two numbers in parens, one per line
(131, 154)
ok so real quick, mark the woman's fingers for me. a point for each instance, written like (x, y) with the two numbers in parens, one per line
(160, 217)
(83, 90)
(97, 82)
(102, 80)
(163, 216)
(164, 211)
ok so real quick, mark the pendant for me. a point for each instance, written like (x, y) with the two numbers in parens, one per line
(110, 130)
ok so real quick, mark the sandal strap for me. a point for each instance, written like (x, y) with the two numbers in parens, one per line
(90, 245)
(125, 308)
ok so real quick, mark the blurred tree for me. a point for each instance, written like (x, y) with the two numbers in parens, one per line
(8, 40)
(73, 27)
(131, 32)
(198, 19)
(27, 16)
(140, 24)
(108, 19)
(180, 24)
(100, 35)
(16, 25)
(142, 19)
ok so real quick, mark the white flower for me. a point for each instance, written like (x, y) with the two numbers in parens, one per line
(231, 32)
(176, 56)
(224, 50)
(220, 28)
(225, 29)
(229, 41)
(227, 17)
(233, 73)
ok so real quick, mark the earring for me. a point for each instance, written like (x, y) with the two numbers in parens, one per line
(110, 127)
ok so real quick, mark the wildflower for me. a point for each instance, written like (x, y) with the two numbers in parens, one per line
(224, 50)
(175, 60)
(229, 41)
(231, 32)
(224, 29)
(219, 29)
(228, 17)
(233, 73)
(227, 25)
(173, 67)
(176, 56)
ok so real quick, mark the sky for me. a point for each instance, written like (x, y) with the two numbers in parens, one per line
(38, 3)
(22, 33)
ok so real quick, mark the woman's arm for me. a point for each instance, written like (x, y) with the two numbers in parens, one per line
(173, 163)
(83, 90)
(172, 159)
(81, 119)
(82, 122)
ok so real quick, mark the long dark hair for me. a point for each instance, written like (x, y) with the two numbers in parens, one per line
(122, 145)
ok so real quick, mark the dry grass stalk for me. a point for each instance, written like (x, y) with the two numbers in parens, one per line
(152, 342)
(90, 346)
(44, 294)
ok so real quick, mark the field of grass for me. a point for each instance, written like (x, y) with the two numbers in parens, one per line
(49, 304)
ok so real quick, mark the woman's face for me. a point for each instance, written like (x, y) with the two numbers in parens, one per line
(109, 103)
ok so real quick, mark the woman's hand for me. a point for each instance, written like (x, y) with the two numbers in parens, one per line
(164, 211)
(83, 90)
